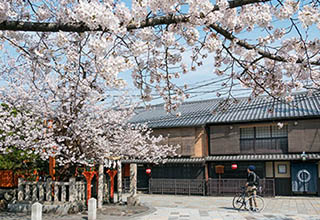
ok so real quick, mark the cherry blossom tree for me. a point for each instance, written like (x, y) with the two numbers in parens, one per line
(74, 118)
(267, 46)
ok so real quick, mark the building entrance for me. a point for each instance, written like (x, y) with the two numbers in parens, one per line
(304, 178)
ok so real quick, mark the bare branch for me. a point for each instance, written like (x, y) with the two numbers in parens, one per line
(248, 46)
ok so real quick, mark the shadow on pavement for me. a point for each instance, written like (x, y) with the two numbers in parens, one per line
(228, 208)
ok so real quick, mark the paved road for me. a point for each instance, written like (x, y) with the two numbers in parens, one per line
(220, 208)
(170, 207)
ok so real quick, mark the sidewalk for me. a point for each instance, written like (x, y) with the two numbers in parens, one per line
(220, 208)
(176, 207)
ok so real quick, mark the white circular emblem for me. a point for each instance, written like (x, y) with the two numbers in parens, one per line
(304, 176)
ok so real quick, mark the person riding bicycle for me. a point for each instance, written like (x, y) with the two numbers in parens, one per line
(252, 185)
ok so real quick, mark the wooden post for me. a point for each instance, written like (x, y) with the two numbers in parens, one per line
(88, 175)
(206, 171)
(119, 167)
(219, 182)
(52, 165)
(112, 174)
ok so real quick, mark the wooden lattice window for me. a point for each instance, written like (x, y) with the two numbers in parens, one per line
(264, 139)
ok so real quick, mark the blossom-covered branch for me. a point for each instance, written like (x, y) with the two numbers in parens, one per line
(265, 46)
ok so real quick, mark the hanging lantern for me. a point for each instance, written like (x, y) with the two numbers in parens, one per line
(234, 166)
(148, 171)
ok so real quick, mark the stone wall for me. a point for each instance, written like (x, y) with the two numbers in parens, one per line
(6, 196)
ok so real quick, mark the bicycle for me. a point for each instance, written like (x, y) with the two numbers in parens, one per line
(240, 201)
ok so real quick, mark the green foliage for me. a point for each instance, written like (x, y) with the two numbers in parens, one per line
(15, 159)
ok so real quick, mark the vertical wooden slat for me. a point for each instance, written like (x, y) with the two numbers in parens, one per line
(162, 187)
(204, 186)
(274, 187)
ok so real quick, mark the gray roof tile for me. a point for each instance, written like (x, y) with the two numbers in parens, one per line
(199, 113)
(264, 157)
(247, 157)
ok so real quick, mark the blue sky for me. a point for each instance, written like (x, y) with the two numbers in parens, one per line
(205, 73)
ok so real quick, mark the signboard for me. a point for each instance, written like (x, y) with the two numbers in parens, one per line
(219, 169)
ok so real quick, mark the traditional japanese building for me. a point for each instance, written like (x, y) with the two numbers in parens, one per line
(281, 139)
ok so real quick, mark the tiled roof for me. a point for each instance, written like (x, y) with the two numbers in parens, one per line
(264, 157)
(248, 157)
(173, 160)
(199, 113)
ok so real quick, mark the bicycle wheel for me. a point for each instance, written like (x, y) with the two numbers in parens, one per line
(257, 206)
(237, 201)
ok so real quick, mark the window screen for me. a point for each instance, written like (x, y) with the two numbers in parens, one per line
(264, 139)
(246, 133)
(280, 132)
(263, 132)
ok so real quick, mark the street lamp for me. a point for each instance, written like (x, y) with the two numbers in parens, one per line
(304, 156)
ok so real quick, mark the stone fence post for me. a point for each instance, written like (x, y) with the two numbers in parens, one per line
(72, 189)
(92, 209)
(119, 181)
(100, 186)
(20, 189)
(36, 211)
(49, 190)
(133, 199)
(133, 179)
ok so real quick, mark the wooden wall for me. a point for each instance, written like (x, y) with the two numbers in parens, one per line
(283, 187)
(224, 139)
(193, 140)
(304, 135)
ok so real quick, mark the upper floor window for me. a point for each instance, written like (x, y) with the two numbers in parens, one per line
(264, 139)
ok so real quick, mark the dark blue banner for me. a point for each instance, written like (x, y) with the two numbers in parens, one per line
(304, 177)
